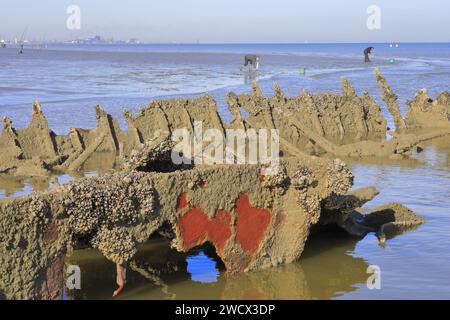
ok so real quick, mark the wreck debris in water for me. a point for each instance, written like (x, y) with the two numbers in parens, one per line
(259, 221)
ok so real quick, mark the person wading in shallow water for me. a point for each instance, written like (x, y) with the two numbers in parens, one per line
(367, 53)
(252, 60)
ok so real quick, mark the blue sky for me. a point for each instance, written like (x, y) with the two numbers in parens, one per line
(230, 20)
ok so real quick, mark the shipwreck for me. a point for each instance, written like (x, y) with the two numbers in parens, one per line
(259, 221)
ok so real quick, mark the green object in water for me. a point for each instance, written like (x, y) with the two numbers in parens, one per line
(302, 71)
(392, 61)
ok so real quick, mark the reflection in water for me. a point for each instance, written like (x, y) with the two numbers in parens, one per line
(100, 162)
(250, 76)
(202, 268)
(12, 186)
(326, 270)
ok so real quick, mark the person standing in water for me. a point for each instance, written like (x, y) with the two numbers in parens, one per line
(250, 67)
(252, 60)
(367, 53)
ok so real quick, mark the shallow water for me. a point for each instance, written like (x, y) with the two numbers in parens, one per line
(70, 81)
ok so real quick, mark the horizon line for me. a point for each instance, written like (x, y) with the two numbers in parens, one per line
(242, 43)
